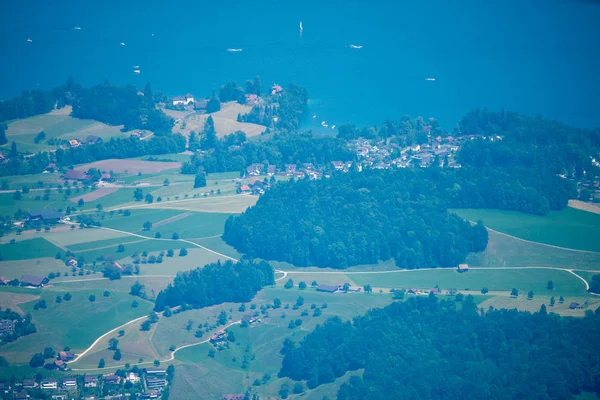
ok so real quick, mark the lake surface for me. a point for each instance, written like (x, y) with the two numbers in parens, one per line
(529, 56)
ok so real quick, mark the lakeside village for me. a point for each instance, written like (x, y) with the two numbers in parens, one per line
(135, 383)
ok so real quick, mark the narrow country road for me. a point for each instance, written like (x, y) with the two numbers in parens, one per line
(285, 274)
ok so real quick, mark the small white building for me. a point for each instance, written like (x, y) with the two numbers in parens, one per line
(185, 100)
(132, 377)
(49, 383)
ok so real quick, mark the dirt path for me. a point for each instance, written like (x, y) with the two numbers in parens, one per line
(172, 219)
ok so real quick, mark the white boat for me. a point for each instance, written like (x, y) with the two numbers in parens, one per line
(122, 43)
(136, 71)
(77, 28)
(314, 116)
(355, 46)
(324, 124)
(301, 27)
(29, 40)
(430, 79)
(332, 126)
(136, 67)
(234, 50)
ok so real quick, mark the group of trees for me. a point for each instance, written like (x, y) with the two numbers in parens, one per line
(359, 218)
(216, 283)
(234, 153)
(425, 348)
(22, 325)
(122, 105)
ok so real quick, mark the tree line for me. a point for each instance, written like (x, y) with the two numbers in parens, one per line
(359, 218)
(234, 153)
(216, 283)
(429, 349)
(113, 148)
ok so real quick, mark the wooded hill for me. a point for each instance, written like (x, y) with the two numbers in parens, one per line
(429, 349)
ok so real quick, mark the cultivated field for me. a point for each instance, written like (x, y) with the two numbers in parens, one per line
(570, 228)
(95, 195)
(36, 247)
(130, 166)
(234, 204)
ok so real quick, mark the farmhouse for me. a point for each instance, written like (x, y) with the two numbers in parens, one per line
(76, 175)
(575, 306)
(249, 318)
(33, 280)
(150, 394)
(185, 100)
(60, 364)
(328, 288)
(244, 189)
(200, 105)
(217, 337)
(45, 215)
(90, 381)
(92, 139)
(66, 356)
(463, 268)
(3, 281)
(74, 143)
(156, 377)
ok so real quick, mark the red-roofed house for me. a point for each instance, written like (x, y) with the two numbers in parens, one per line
(245, 188)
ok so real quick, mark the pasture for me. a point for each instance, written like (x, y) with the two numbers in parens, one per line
(35, 266)
(495, 280)
(234, 204)
(522, 303)
(261, 343)
(29, 248)
(507, 251)
(570, 228)
(75, 323)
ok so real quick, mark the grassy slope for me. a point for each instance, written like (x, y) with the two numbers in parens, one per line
(506, 251)
(35, 266)
(76, 323)
(569, 227)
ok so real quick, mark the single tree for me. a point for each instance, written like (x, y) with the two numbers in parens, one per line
(101, 363)
(302, 285)
(514, 293)
(117, 355)
(113, 344)
(183, 253)
(484, 290)
(80, 203)
(175, 236)
(530, 295)
(550, 285)
(289, 284)
(552, 301)
(147, 226)
(92, 298)
(368, 289)
(138, 194)
(120, 248)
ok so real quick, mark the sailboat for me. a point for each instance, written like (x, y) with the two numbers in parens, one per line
(29, 40)
(77, 28)
(301, 28)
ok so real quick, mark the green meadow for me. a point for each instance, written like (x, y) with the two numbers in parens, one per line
(25, 248)
(570, 227)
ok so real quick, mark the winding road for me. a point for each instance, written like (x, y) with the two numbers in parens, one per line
(284, 275)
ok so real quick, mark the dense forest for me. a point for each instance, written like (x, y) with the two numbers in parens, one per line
(122, 105)
(531, 144)
(216, 283)
(429, 349)
(22, 325)
(32, 102)
(360, 218)
(234, 153)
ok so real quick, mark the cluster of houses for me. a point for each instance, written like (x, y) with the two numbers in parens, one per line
(151, 381)
(91, 139)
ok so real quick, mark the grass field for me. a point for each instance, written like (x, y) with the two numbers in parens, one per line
(506, 251)
(37, 247)
(521, 303)
(229, 204)
(495, 280)
(570, 228)
(76, 236)
(76, 323)
(135, 221)
(151, 246)
(36, 266)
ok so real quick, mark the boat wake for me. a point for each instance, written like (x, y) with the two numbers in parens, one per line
(355, 46)
(234, 50)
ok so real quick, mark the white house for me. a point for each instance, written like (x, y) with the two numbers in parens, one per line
(185, 100)
(49, 383)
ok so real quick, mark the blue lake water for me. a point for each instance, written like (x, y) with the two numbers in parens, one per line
(529, 56)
